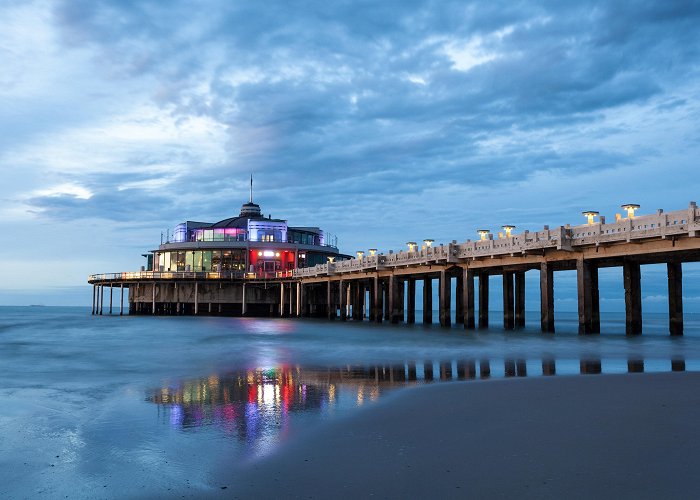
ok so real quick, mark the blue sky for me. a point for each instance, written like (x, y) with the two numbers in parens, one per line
(381, 122)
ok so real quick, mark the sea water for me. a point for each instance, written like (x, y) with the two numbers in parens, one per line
(141, 406)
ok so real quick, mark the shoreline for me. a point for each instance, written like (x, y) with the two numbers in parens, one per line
(630, 435)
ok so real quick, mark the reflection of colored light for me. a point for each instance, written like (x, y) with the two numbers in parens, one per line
(176, 416)
(252, 393)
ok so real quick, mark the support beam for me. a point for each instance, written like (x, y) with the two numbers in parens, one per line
(292, 304)
(483, 300)
(633, 297)
(343, 298)
(372, 300)
(587, 290)
(393, 300)
(101, 293)
(546, 297)
(508, 304)
(519, 299)
(121, 299)
(378, 300)
(459, 299)
(411, 301)
(400, 299)
(196, 298)
(94, 298)
(303, 300)
(468, 298)
(243, 301)
(281, 299)
(153, 298)
(675, 298)
(445, 296)
(427, 301)
(330, 305)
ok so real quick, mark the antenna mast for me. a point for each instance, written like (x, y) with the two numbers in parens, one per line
(251, 189)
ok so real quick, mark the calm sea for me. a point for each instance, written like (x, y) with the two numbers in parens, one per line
(110, 406)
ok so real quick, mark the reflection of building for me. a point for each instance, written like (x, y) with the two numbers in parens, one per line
(254, 404)
(249, 242)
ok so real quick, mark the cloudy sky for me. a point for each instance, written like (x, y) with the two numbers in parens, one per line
(380, 121)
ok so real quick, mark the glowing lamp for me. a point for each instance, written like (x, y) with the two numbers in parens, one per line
(411, 246)
(277, 254)
(331, 259)
(372, 252)
(591, 214)
(508, 228)
(483, 233)
(428, 243)
(259, 254)
(360, 254)
(630, 207)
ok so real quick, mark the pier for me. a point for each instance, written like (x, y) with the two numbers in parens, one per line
(382, 287)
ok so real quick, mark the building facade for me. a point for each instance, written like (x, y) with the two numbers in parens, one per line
(250, 244)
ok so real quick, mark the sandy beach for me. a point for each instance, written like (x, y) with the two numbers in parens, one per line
(596, 436)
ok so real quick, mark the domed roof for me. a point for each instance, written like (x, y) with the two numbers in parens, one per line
(234, 222)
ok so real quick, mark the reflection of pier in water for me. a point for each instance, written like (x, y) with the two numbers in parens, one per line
(255, 406)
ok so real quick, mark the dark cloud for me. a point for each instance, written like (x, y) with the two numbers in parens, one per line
(365, 91)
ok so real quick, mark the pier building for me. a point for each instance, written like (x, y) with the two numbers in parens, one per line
(382, 287)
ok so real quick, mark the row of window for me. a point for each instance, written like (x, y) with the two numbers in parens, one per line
(222, 260)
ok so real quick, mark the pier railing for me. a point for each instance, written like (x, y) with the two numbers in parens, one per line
(187, 275)
(660, 225)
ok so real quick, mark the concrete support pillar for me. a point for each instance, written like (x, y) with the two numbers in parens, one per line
(633, 297)
(281, 299)
(445, 296)
(298, 299)
(330, 305)
(595, 300)
(519, 299)
(508, 304)
(588, 301)
(292, 304)
(101, 293)
(428, 370)
(304, 300)
(459, 299)
(483, 300)
(400, 299)
(675, 297)
(94, 298)
(196, 298)
(110, 298)
(546, 297)
(362, 289)
(411, 301)
(372, 300)
(378, 300)
(468, 298)
(356, 301)
(428, 301)
(243, 301)
(343, 298)
(121, 299)
(153, 298)
(393, 300)
(549, 367)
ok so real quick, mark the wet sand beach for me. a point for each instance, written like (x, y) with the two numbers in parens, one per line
(601, 436)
